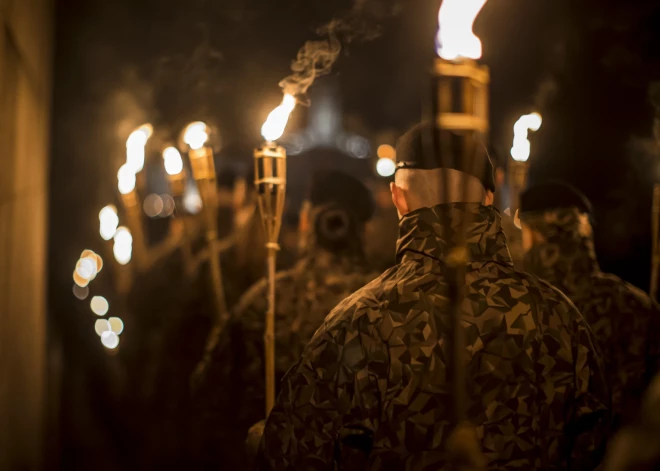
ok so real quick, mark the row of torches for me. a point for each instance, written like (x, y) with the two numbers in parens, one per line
(458, 49)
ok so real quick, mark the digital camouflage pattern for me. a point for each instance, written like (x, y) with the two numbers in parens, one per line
(623, 318)
(371, 389)
(231, 396)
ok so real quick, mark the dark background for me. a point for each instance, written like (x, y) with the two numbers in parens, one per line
(587, 66)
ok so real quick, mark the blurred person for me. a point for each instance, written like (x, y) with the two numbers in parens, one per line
(229, 391)
(637, 446)
(371, 390)
(559, 245)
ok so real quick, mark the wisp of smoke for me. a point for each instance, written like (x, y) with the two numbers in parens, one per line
(362, 23)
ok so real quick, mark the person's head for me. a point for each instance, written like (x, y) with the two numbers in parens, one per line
(553, 209)
(421, 183)
(336, 210)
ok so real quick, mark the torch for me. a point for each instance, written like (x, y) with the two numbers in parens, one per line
(460, 109)
(126, 180)
(520, 152)
(270, 182)
(177, 178)
(203, 170)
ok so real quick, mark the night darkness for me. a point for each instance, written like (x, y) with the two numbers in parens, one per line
(586, 66)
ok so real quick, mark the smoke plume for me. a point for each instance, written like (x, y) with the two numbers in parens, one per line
(362, 23)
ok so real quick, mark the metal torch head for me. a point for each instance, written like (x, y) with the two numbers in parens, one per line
(270, 183)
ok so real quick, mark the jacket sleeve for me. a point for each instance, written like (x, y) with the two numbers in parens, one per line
(329, 404)
(589, 424)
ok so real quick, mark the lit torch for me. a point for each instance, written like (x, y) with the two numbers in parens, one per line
(196, 136)
(174, 169)
(126, 181)
(520, 153)
(270, 182)
(460, 112)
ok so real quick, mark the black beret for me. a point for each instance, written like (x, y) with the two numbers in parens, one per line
(343, 190)
(415, 150)
(553, 195)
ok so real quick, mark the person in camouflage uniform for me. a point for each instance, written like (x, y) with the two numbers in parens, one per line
(637, 446)
(371, 390)
(231, 397)
(559, 248)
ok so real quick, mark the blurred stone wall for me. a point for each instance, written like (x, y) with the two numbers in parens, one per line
(25, 70)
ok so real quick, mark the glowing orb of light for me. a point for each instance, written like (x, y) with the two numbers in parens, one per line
(99, 305)
(102, 325)
(110, 340)
(196, 135)
(116, 325)
(126, 179)
(385, 167)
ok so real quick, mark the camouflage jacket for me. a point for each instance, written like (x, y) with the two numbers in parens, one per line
(231, 396)
(371, 387)
(623, 318)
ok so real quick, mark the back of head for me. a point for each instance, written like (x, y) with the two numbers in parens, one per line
(429, 180)
(339, 207)
(556, 210)
(551, 196)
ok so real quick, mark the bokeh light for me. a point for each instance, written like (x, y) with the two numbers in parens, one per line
(123, 248)
(153, 205)
(196, 135)
(192, 201)
(99, 305)
(168, 206)
(116, 325)
(108, 222)
(385, 167)
(386, 151)
(173, 161)
(135, 147)
(110, 340)
(80, 293)
(102, 325)
(125, 179)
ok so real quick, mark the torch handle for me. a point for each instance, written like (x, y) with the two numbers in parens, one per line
(655, 224)
(269, 334)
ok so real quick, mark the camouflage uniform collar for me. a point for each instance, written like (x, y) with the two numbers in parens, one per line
(566, 257)
(432, 232)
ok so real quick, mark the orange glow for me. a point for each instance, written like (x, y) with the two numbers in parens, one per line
(277, 120)
(456, 39)
(386, 151)
(196, 135)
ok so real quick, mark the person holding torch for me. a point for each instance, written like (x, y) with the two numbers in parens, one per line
(376, 387)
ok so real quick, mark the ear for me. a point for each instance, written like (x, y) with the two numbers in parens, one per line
(399, 200)
(490, 198)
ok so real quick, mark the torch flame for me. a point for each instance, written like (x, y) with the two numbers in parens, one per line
(521, 145)
(173, 161)
(135, 145)
(456, 40)
(196, 135)
(274, 126)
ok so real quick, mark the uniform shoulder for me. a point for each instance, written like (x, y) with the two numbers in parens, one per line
(612, 285)
(548, 294)
(371, 299)
(258, 291)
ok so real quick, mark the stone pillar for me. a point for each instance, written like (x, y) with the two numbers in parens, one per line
(25, 56)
